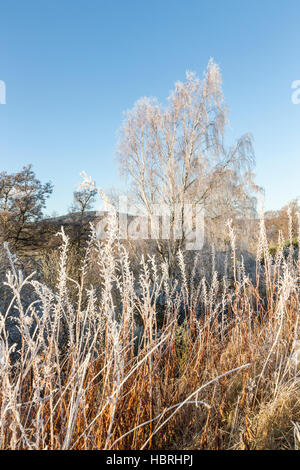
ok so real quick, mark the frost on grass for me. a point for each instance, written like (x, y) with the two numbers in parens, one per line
(113, 359)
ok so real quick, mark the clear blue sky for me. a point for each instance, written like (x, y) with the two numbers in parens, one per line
(72, 67)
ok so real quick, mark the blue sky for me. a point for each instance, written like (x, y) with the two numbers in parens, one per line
(72, 67)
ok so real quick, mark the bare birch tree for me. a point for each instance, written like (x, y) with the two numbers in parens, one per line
(175, 156)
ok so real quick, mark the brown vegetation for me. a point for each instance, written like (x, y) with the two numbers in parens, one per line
(109, 366)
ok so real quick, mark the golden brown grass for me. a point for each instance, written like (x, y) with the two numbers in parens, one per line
(85, 378)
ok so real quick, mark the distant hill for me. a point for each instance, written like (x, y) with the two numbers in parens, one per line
(42, 234)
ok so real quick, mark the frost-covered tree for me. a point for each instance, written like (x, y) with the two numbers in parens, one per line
(175, 154)
(83, 201)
